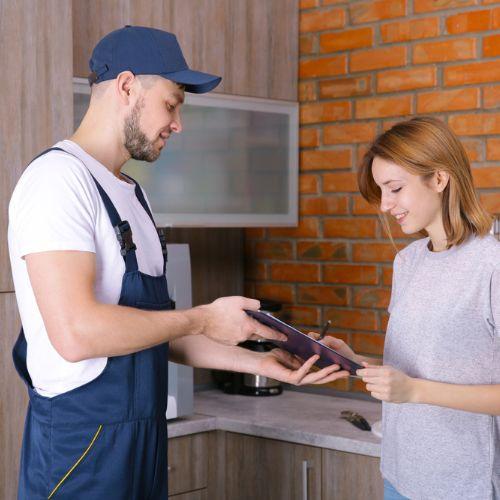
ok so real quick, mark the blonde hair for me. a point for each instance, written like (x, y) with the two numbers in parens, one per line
(423, 146)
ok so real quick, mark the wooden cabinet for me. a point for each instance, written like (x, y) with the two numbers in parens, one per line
(240, 467)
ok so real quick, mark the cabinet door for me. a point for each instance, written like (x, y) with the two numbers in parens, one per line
(266, 469)
(187, 463)
(348, 476)
(192, 495)
(13, 399)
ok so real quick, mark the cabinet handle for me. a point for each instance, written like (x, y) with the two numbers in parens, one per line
(305, 485)
(169, 469)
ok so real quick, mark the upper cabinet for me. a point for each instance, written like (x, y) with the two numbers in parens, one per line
(252, 44)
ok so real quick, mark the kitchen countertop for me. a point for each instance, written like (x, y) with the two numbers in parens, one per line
(297, 417)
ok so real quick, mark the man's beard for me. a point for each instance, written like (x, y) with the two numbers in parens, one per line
(137, 144)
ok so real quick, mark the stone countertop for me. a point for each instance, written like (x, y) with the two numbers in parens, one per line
(297, 417)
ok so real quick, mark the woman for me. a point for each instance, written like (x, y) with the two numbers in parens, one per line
(440, 378)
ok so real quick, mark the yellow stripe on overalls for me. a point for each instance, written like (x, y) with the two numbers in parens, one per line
(76, 463)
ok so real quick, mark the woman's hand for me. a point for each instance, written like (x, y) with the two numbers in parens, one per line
(338, 345)
(388, 384)
(283, 366)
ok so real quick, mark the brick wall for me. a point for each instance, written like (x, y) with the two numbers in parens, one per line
(365, 65)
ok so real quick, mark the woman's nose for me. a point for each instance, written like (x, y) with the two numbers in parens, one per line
(386, 203)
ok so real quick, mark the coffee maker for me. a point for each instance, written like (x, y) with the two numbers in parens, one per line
(250, 384)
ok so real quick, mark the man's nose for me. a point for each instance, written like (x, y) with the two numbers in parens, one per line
(176, 125)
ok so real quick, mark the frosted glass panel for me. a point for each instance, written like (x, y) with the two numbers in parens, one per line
(234, 164)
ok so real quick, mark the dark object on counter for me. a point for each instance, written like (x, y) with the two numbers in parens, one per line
(249, 384)
(356, 419)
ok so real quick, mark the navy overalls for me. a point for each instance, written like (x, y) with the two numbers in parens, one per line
(108, 438)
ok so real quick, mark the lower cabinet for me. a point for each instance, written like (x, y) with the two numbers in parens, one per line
(228, 466)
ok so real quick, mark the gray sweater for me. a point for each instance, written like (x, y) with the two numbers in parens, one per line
(444, 326)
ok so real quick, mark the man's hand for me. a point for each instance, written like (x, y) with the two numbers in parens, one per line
(227, 322)
(388, 384)
(283, 366)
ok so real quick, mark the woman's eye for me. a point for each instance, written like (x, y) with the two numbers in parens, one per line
(396, 190)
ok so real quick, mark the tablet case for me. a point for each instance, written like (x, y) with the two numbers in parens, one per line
(302, 345)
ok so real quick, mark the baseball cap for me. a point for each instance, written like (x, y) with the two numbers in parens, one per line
(146, 51)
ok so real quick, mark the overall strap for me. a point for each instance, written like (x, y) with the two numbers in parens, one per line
(161, 231)
(121, 228)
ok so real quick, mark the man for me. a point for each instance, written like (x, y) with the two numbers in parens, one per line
(88, 268)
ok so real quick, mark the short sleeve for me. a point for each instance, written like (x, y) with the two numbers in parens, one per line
(495, 300)
(53, 207)
(396, 272)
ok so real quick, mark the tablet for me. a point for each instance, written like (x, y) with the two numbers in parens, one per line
(302, 345)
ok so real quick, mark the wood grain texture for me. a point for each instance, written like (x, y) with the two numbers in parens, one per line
(13, 400)
(192, 495)
(269, 470)
(216, 465)
(252, 44)
(348, 476)
(187, 461)
(37, 106)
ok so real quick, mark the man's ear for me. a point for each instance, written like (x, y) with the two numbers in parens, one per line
(124, 85)
(441, 180)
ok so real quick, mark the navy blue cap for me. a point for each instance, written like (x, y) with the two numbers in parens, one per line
(146, 51)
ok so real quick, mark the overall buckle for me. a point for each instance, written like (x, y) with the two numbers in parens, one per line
(124, 236)
(163, 241)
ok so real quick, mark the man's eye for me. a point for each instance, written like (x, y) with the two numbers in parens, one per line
(396, 190)
(170, 107)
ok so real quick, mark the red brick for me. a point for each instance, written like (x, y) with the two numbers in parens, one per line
(473, 148)
(322, 294)
(357, 385)
(308, 228)
(326, 66)
(346, 40)
(278, 250)
(406, 79)
(384, 320)
(493, 149)
(301, 315)
(467, 22)
(486, 177)
(481, 72)
(308, 137)
(308, 4)
(387, 276)
(295, 272)
(308, 184)
(491, 97)
(249, 289)
(340, 182)
(405, 31)
(327, 159)
(491, 46)
(255, 271)
(323, 205)
(448, 50)
(433, 5)
(491, 202)
(367, 60)
(280, 292)
(345, 87)
(308, 91)
(368, 343)
(372, 298)
(325, 112)
(376, 10)
(379, 107)
(350, 228)
(316, 250)
(354, 319)
(306, 44)
(350, 273)
(373, 252)
(349, 133)
(362, 207)
(477, 124)
(319, 20)
(332, 2)
(448, 100)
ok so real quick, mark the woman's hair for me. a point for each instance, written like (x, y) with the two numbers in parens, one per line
(423, 146)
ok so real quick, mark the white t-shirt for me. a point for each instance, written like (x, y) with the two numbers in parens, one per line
(56, 206)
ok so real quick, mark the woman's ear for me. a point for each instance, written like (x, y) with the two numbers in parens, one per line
(441, 179)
